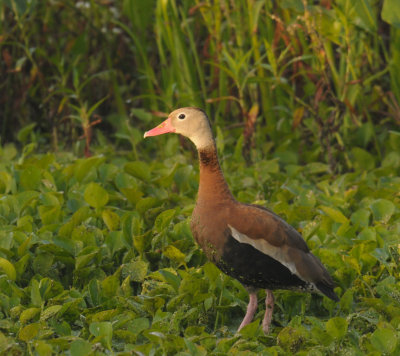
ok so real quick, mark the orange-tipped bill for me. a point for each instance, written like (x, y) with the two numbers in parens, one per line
(163, 128)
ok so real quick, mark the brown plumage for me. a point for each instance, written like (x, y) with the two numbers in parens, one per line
(248, 242)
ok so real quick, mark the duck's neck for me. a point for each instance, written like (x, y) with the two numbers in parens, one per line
(213, 188)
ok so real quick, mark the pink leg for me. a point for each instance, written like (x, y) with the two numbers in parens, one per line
(269, 304)
(251, 309)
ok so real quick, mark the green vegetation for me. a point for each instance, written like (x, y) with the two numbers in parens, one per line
(96, 254)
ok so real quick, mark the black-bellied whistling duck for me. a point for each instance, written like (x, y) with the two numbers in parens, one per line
(247, 242)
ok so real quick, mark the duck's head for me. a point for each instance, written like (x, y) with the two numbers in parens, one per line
(190, 122)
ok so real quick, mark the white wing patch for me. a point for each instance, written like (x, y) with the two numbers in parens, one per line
(266, 248)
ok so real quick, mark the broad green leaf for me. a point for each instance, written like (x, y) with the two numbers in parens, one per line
(5, 182)
(8, 268)
(104, 315)
(290, 336)
(360, 217)
(42, 348)
(36, 298)
(362, 159)
(137, 270)
(24, 133)
(391, 12)
(83, 261)
(139, 170)
(145, 204)
(138, 325)
(317, 167)
(171, 278)
(80, 348)
(103, 332)
(49, 312)
(110, 285)
(111, 219)
(95, 195)
(337, 327)
(384, 340)
(174, 254)
(250, 330)
(382, 209)
(132, 194)
(94, 290)
(30, 178)
(28, 332)
(364, 16)
(8, 152)
(49, 214)
(164, 219)
(42, 263)
(28, 314)
(83, 168)
(334, 214)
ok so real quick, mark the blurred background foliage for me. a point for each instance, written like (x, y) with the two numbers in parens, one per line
(301, 80)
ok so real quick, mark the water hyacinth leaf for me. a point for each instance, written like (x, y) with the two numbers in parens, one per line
(137, 270)
(94, 290)
(103, 332)
(30, 178)
(139, 170)
(384, 340)
(382, 209)
(95, 195)
(28, 332)
(364, 15)
(5, 182)
(111, 219)
(171, 279)
(42, 348)
(316, 168)
(110, 284)
(83, 167)
(360, 217)
(36, 298)
(28, 314)
(42, 263)
(138, 325)
(391, 12)
(334, 214)
(362, 159)
(164, 219)
(50, 312)
(174, 254)
(337, 327)
(49, 214)
(84, 260)
(8, 268)
(290, 338)
(251, 329)
(132, 194)
(145, 204)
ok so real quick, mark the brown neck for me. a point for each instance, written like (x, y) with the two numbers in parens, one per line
(213, 188)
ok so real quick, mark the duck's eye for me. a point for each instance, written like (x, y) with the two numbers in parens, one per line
(181, 116)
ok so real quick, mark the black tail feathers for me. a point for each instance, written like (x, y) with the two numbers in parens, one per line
(328, 291)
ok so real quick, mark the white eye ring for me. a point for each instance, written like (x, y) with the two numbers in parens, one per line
(181, 116)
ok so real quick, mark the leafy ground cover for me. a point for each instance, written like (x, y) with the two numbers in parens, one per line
(97, 256)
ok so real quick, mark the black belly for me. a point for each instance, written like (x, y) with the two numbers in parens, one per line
(256, 269)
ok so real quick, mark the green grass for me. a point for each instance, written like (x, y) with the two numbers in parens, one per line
(96, 254)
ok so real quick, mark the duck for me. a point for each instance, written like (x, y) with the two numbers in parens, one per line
(245, 241)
